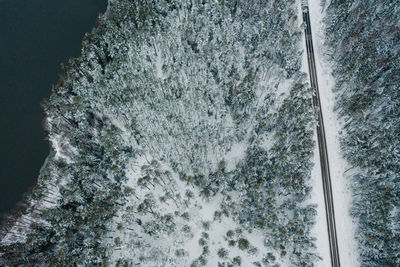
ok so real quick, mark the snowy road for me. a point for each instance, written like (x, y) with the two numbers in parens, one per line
(326, 179)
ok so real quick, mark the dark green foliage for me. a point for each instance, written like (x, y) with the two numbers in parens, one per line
(237, 261)
(180, 252)
(222, 253)
(230, 234)
(243, 244)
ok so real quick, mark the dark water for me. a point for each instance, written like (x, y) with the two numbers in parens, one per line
(35, 37)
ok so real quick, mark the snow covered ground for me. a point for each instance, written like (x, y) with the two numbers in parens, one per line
(345, 225)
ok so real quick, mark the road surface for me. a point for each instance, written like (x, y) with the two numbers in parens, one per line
(323, 153)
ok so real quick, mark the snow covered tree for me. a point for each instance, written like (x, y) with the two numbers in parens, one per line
(364, 40)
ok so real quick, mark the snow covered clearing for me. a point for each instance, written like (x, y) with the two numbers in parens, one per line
(201, 234)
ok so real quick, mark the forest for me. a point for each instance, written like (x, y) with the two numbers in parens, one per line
(184, 125)
(364, 47)
(184, 136)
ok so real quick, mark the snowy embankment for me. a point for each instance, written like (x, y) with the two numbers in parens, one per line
(345, 225)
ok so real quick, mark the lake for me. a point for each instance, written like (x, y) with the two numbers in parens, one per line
(35, 37)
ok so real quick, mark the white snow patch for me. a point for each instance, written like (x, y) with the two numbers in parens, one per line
(159, 62)
(208, 208)
(235, 155)
(61, 148)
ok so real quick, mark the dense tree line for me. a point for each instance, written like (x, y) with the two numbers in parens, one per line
(364, 42)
